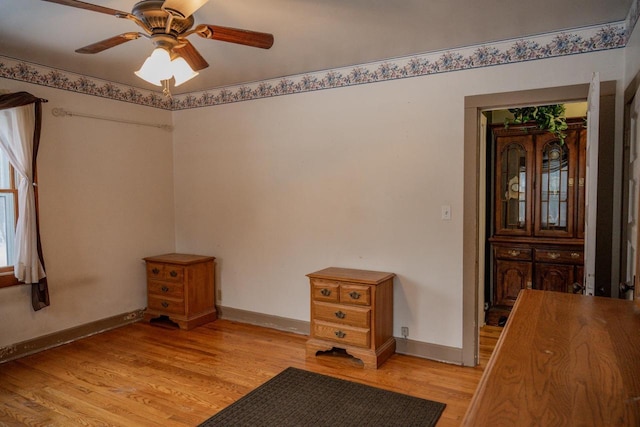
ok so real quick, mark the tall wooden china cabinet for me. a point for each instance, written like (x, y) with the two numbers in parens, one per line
(537, 239)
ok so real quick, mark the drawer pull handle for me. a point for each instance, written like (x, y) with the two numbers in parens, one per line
(553, 255)
(340, 315)
(325, 292)
(340, 334)
(165, 304)
(173, 273)
(575, 255)
(354, 295)
(513, 252)
(155, 271)
(164, 289)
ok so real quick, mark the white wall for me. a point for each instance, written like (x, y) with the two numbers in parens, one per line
(354, 177)
(274, 188)
(632, 55)
(106, 197)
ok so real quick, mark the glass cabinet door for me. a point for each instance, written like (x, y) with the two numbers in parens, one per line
(513, 195)
(555, 193)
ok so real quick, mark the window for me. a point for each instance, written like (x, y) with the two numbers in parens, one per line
(8, 218)
(20, 126)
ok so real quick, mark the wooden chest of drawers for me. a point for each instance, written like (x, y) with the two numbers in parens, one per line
(352, 310)
(562, 360)
(181, 288)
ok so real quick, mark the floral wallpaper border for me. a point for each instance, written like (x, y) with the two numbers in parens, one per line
(578, 41)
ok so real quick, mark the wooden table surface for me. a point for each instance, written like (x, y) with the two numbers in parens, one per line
(563, 360)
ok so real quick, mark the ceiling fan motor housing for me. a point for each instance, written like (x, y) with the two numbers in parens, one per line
(152, 15)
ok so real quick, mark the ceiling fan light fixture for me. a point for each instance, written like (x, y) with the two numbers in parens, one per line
(159, 67)
(156, 67)
(184, 7)
(182, 72)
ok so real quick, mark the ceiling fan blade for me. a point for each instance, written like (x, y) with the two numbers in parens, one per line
(89, 6)
(108, 43)
(235, 35)
(190, 54)
(185, 7)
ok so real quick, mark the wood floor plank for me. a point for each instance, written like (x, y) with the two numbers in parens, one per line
(144, 375)
(17, 410)
(86, 381)
(162, 384)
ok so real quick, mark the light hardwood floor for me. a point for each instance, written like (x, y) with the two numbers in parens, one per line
(144, 375)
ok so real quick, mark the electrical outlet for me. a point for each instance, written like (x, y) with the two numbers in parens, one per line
(404, 331)
(130, 316)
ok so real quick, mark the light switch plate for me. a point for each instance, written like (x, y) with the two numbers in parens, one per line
(446, 212)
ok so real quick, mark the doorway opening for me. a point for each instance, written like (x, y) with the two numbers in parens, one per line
(475, 200)
(535, 205)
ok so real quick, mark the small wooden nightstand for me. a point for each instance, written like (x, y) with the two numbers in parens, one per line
(352, 310)
(181, 288)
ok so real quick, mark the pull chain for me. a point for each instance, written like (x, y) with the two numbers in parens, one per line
(165, 89)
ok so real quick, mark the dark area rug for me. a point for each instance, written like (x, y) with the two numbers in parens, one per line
(296, 397)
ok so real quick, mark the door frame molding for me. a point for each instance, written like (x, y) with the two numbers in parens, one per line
(473, 219)
(629, 98)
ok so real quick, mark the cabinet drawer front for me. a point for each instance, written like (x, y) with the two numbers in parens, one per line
(514, 253)
(343, 314)
(564, 256)
(342, 334)
(155, 271)
(173, 273)
(166, 305)
(168, 272)
(325, 290)
(355, 294)
(172, 290)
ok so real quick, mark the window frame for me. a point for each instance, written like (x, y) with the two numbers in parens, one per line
(7, 276)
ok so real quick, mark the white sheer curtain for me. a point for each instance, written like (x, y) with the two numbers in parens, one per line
(16, 140)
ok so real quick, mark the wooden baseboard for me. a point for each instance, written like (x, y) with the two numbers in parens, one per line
(55, 339)
(403, 346)
(266, 320)
(408, 347)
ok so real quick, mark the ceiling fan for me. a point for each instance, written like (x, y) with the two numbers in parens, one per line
(168, 23)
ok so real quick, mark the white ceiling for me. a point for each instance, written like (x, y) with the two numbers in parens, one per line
(310, 35)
